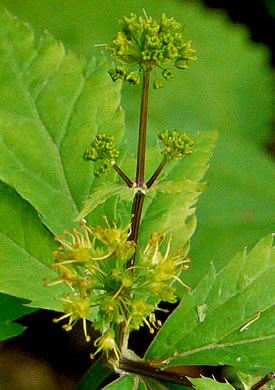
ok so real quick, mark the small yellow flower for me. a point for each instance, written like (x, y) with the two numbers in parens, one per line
(75, 309)
(107, 343)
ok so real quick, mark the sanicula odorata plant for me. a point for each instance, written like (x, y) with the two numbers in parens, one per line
(87, 231)
(111, 277)
(98, 263)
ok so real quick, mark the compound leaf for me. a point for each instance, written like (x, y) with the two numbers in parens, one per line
(26, 248)
(99, 196)
(238, 312)
(125, 382)
(209, 384)
(11, 309)
(51, 105)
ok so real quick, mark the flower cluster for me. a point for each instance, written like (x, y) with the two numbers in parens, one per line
(149, 44)
(176, 144)
(93, 263)
(104, 151)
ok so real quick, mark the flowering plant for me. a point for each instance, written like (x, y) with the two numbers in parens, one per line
(112, 274)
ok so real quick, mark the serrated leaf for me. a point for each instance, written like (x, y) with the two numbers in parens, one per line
(215, 93)
(178, 186)
(26, 248)
(249, 380)
(240, 309)
(51, 105)
(96, 374)
(209, 384)
(125, 382)
(166, 209)
(100, 195)
(10, 310)
(174, 212)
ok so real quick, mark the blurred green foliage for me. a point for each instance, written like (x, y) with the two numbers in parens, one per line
(228, 88)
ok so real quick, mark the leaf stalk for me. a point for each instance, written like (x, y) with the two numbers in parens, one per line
(144, 369)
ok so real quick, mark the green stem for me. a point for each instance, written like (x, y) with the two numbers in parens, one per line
(135, 222)
(143, 129)
(140, 172)
(154, 177)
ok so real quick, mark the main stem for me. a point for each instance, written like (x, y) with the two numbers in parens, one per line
(140, 183)
(142, 129)
(140, 172)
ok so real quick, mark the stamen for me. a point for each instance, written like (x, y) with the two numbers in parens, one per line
(180, 281)
(87, 337)
(103, 257)
(62, 317)
(154, 258)
(118, 292)
(168, 249)
(101, 44)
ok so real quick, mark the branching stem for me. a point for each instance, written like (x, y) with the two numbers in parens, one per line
(127, 180)
(154, 177)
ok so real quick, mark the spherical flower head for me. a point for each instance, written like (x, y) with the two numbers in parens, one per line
(176, 144)
(102, 149)
(149, 44)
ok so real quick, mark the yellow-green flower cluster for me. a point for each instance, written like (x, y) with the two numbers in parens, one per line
(93, 263)
(104, 151)
(150, 44)
(176, 144)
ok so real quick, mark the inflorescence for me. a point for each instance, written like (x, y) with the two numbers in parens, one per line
(93, 264)
(149, 44)
(176, 144)
(104, 152)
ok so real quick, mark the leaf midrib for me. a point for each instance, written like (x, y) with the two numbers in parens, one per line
(18, 75)
(25, 252)
(225, 345)
(224, 302)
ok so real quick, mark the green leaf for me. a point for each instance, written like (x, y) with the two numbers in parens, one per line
(26, 248)
(125, 382)
(100, 195)
(249, 380)
(96, 374)
(240, 308)
(169, 204)
(178, 186)
(10, 310)
(51, 105)
(209, 384)
(217, 92)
